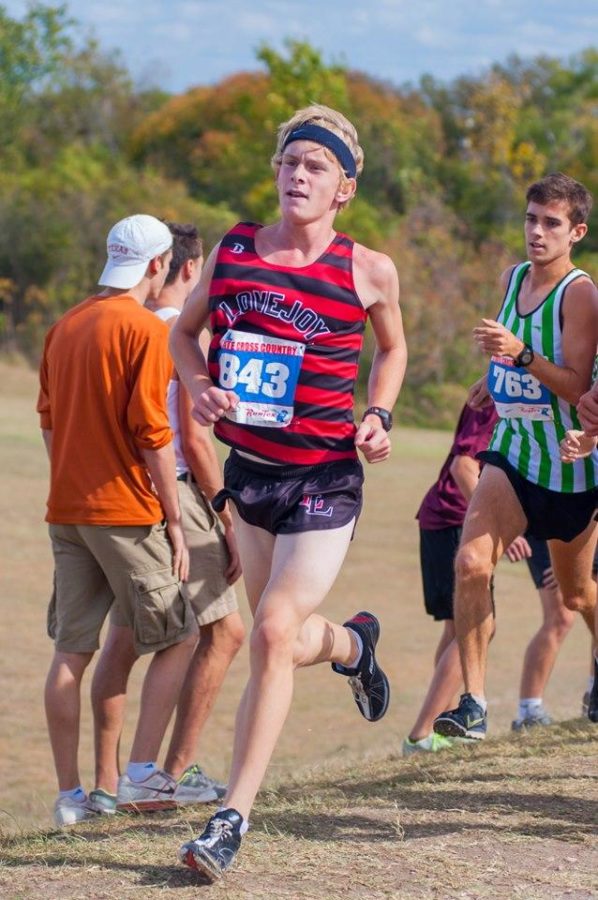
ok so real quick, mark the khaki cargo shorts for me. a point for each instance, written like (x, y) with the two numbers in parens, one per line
(211, 597)
(125, 570)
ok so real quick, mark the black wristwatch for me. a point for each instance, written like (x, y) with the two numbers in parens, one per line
(525, 357)
(383, 414)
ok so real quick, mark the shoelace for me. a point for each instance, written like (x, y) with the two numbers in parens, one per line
(220, 828)
(358, 688)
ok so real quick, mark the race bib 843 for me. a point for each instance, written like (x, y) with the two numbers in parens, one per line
(516, 392)
(263, 371)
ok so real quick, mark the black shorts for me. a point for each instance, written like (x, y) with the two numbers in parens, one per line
(292, 499)
(549, 514)
(437, 551)
(540, 560)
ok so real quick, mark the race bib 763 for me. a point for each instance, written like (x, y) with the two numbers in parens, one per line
(516, 392)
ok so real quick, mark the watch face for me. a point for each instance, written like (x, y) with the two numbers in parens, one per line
(526, 356)
(383, 414)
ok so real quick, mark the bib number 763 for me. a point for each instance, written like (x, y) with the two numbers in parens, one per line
(515, 384)
(258, 377)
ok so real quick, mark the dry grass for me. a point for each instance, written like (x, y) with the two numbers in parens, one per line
(516, 817)
(514, 820)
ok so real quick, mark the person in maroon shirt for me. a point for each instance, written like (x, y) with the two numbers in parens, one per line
(441, 517)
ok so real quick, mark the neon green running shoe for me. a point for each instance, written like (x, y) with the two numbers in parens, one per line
(430, 744)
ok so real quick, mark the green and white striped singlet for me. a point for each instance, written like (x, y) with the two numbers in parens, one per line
(531, 444)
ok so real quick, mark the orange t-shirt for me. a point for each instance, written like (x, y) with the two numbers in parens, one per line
(103, 379)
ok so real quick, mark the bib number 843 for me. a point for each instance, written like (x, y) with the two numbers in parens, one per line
(516, 384)
(252, 376)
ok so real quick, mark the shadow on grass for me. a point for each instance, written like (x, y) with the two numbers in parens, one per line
(578, 820)
(147, 875)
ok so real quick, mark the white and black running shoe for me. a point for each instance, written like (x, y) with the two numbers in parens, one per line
(368, 682)
(215, 850)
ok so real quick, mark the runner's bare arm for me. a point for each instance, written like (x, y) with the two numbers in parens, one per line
(466, 472)
(478, 395)
(209, 402)
(580, 338)
(377, 284)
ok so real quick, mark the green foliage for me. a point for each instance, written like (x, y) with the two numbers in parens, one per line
(442, 192)
(31, 51)
(53, 225)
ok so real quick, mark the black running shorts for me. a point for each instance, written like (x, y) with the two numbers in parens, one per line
(549, 514)
(437, 551)
(292, 499)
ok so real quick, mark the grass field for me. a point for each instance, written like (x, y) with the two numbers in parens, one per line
(342, 815)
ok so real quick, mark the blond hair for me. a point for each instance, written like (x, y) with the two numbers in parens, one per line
(317, 114)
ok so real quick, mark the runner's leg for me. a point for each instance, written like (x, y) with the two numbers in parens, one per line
(295, 588)
(445, 683)
(572, 566)
(494, 519)
(542, 650)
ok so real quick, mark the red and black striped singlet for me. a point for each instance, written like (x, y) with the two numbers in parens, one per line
(316, 305)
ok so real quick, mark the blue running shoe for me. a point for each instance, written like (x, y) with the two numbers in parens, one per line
(368, 682)
(468, 721)
(215, 850)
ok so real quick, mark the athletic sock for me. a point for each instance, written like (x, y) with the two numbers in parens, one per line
(243, 827)
(481, 701)
(355, 662)
(528, 706)
(77, 794)
(140, 771)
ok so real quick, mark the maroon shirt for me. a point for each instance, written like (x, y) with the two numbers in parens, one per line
(444, 505)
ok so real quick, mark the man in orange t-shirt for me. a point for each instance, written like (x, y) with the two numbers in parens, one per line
(102, 406)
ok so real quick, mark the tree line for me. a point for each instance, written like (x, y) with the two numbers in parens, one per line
(443, 189)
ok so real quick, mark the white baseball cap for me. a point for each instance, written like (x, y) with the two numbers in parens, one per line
(131, 244)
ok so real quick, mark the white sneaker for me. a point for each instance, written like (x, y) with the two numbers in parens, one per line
(68, 811)
(153, 793)
(194, 786)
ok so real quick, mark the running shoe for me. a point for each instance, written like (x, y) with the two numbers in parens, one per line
(102, 802)
(368, 682)
(194, 786)
(215, 850)
(467, 721)
(156, 792)
(68, 811)
(538, 717)
(593, 698)
(430, 744)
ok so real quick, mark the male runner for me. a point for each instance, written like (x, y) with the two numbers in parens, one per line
(102, 407)
(542, 350)
(441, 517)
(288, 305)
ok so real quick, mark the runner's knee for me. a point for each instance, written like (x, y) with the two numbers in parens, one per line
(272, 638)
(578, 601)
(471, 565)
